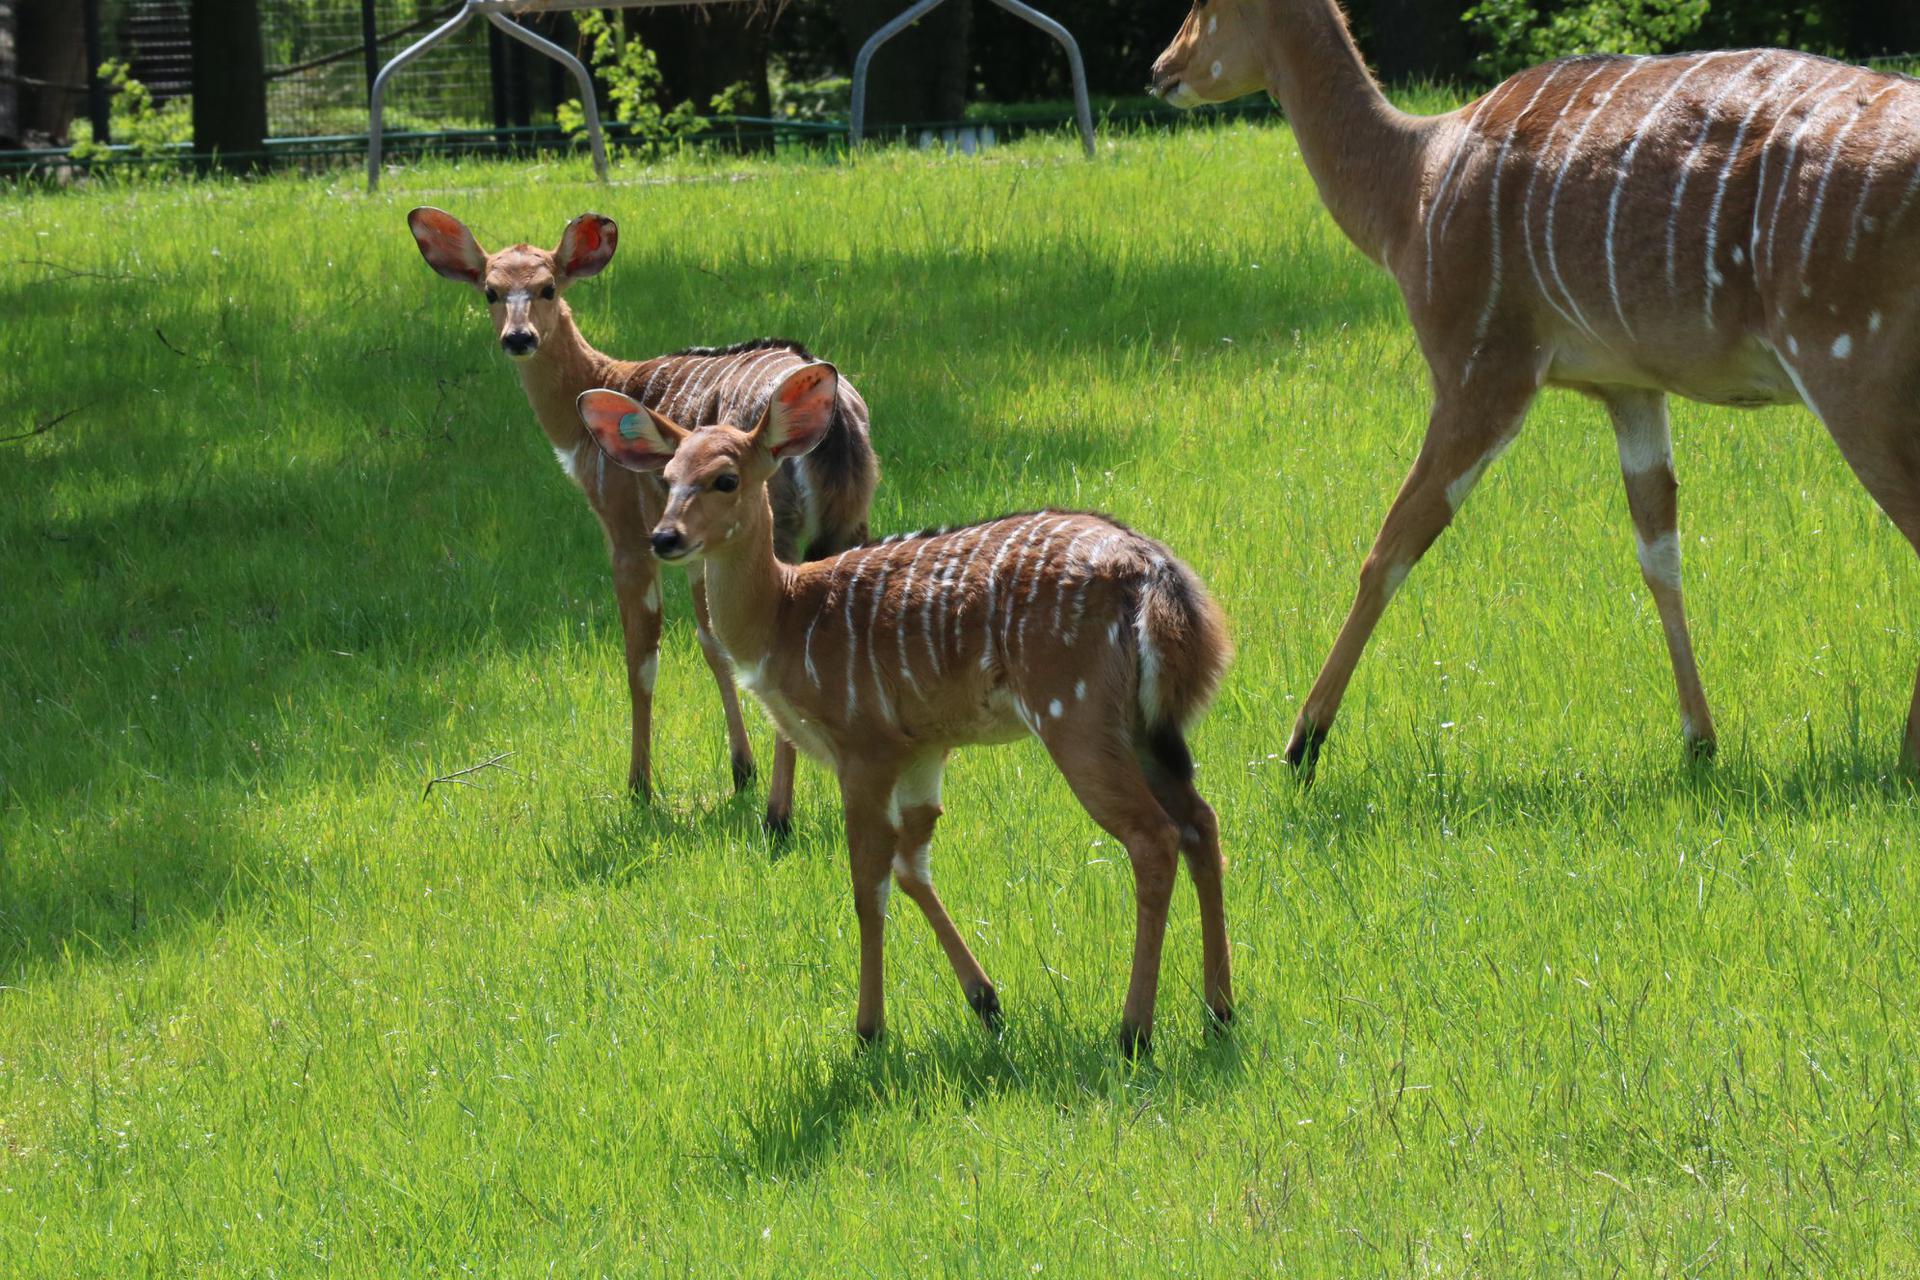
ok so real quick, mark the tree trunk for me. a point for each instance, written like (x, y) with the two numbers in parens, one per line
(9, 69)
(229, 84)
(52, 51)
(919, 75)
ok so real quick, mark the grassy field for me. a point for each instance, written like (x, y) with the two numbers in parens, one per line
(1521, 993)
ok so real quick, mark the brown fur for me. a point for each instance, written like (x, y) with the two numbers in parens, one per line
(887, 657)
(1738, 228)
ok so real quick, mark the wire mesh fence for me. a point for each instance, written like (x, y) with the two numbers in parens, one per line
(318, 69)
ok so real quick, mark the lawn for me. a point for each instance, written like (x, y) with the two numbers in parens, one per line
(1521, 992)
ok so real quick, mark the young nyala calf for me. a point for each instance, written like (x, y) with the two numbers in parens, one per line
(884, 658)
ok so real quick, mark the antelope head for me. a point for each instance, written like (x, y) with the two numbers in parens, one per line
(1215, 56)
(716, 475)
(522, 284)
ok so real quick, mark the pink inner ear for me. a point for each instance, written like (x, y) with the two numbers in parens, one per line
(586, 241)
(798, 388)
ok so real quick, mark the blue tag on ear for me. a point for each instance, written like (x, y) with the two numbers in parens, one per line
(631, 425)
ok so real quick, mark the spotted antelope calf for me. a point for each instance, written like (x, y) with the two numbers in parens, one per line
(882, 660)
(1737, 227)
(820, 502)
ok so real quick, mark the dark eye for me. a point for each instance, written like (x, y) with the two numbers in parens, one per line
(493, 295)
(726, 484)
(547, 293)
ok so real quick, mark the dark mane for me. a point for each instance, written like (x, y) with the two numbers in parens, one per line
(741, 348)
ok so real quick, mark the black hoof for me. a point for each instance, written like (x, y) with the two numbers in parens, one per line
(639, 791)
(1219, 1021)
(869, 1037)
(1303, 752)
(742, 772)
(1135, 1043)
(986, 1003)
(1700, 749)
(778, 826)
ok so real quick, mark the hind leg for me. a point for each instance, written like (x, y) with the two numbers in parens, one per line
(1878, 430)
(1200, 846)
(1111, 786)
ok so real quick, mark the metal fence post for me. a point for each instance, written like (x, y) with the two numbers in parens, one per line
(1082, 107)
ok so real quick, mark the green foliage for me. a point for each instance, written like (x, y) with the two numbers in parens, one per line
(1521, 33)
(632, 78)
(151, 131)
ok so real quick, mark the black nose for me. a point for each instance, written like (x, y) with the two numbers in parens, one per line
(667, 541)
(520, 342)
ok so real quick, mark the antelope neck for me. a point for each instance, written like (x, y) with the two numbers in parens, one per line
(561, 368)
(1363, 153)
(746, 585)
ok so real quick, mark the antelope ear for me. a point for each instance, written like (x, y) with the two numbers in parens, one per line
(628, 432)
(797, 417)
(586, 246)
(447, 245)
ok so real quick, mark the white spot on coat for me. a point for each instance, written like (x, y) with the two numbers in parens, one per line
(1217, 69)
(1842, 346)
(649, 669)
(1079, 690)
(1054, 708)
(651, 600)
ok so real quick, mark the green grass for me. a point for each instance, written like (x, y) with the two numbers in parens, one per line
(1521, 994)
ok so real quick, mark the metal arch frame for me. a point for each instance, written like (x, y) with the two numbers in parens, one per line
(1082, 108)
(497, 12)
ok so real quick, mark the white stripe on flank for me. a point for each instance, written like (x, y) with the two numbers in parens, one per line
(647, 390)
(873, 640)
(993, 584)
(1906, 200)
(1080, 596)
(906, 606)
(1493, 219)
(1786, 180)
(1833, 166)
(1710, 116)
(755, 375)
(953, 601)
(1553, 201)
(943, 552)
(1526, 210)
(1469, 135)
(1036, 545)
(851, 594)
(833, 576)
(1766, 157)
(1066, 570)
(1626, 170)
(1720, 190)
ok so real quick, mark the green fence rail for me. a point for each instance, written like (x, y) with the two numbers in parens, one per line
(738, 133)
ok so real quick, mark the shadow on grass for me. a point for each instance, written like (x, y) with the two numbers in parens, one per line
(797, 1121)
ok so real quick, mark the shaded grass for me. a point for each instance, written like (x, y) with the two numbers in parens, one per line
(1522, 992)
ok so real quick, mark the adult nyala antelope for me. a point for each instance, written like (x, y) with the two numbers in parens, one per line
(820, 503)
(1737, 228)
(883, 659)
